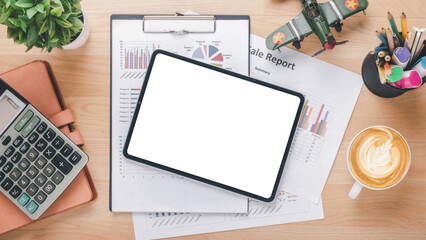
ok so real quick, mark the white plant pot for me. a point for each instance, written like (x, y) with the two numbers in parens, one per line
(82, 38)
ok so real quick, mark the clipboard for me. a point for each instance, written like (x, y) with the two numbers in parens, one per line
(219, 40)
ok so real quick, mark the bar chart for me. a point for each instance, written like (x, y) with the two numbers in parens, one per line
(311, 130)
(318, 127)
(138, 56)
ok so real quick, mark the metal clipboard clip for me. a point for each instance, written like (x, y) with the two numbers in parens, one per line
(179, 24)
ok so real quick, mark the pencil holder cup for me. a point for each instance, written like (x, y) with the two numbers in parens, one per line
(371, 78)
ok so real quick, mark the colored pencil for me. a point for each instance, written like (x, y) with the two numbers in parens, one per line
(403, 27)
(383, 32)
(382, 39)
(382, 75)
(394, 27)
(390, 40)
(387, 68)
(388, 58)
(395, 40)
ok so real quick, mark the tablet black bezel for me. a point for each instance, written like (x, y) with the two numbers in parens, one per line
(195, 177)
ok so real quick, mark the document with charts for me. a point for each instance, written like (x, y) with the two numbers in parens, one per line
(134, 186)
(331, 94)
(285, 208)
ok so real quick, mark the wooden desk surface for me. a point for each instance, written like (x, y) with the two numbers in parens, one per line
(83, 76)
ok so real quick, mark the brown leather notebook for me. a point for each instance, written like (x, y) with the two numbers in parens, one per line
(36, 83)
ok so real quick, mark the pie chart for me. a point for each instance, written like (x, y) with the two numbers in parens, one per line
(209, 54)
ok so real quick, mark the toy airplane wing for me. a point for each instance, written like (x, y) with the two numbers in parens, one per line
(295, 30)
(337, 10)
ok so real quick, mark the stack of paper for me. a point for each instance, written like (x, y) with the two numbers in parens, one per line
(331, 94)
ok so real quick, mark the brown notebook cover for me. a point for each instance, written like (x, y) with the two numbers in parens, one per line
(36, 83)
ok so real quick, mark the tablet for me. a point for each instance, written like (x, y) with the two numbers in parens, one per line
(213, 125)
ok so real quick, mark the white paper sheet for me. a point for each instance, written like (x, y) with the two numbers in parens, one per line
(136, 187)
(285, 208)
(330, 92)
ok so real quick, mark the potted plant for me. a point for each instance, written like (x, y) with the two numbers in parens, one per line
(45, 24)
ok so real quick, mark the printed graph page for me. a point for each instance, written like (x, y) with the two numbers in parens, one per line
(139, 188)
(331, 94)
(285, 208)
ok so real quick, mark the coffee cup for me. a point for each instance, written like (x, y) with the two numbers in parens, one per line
(378, 158)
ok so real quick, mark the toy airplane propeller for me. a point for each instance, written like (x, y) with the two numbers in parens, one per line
(316, 18)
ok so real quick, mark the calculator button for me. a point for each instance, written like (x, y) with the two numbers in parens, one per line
(21, 124)
(24, 148)
(15, 174)
(49, 170)
(62, 164)
(9, 151)
(2, 175)
(40, 180)
(49, 135)
(41, 161)
(57, 178)
(41, 145)
(23, 164)
(6, 140)
(18, 141)
(15, 192)
(66, 150)
(2, 160)
(8, 167)
(16, 157)
(7, 184)
(33, 138)
(30, 127)
(32, 189)
(23, 200)
(40, 197)
(32, 154)
(32, 207)
(32, 172)
(49, 187)
(49, 153)
(75, 158)
(41, 128)
(58, 142)
(23, 182)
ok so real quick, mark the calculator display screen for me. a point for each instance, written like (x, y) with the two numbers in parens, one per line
(10, 107)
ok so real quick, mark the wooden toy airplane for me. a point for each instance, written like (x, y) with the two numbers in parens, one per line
(316, 18)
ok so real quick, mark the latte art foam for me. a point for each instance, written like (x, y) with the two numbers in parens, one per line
(379, 157)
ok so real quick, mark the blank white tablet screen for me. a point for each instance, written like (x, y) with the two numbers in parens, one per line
(213, 125)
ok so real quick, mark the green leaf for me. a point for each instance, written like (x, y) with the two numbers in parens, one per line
(10, 33)
(24, 3)
(43, 28)
(32, 35)
(39, 7)
(66, 4)
(8, 2)
(46, 4)
(40, 17)
(63, 23)
(20, 35)
(24, 26)
(5, 15)
(29, 48)
(15, 21)
(31, 12)
(56, 11)
(76, 22)
(51, 27)
(25, 19)
(56, 3)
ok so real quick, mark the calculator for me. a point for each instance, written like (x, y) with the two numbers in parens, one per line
(37, 161)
